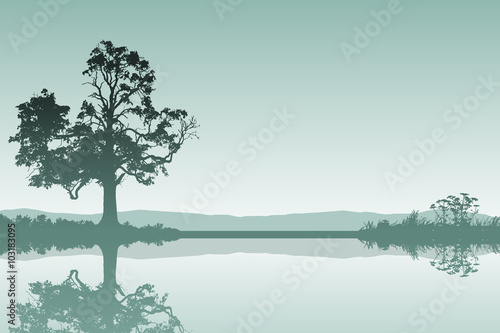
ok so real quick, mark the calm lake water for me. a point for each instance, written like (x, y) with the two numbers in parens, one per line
(309, 287)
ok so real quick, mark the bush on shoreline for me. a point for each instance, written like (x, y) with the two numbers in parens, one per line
(453, 212)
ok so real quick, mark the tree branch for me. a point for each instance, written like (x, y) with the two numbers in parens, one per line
(70, 191)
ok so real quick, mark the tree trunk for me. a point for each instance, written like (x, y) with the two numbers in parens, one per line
(108, 300)
(110, 213)
(110, 258)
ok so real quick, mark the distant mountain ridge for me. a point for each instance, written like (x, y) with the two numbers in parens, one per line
(338, 220)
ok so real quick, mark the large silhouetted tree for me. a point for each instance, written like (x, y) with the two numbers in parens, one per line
(117, 133)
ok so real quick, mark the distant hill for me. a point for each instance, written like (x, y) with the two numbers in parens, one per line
(335, 221)
(339, 221)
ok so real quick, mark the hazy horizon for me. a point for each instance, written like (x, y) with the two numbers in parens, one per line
(232, 215)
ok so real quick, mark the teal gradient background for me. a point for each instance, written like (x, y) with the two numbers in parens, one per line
(352, 120)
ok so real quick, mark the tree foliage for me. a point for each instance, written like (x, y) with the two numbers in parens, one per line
(73, 306)
(117, 133)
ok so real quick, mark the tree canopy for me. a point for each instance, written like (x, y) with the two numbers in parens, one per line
(117, 132)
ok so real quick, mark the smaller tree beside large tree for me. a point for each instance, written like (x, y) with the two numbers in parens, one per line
(118, 133)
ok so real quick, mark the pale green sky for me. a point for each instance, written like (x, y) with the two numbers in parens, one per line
(352, 121)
